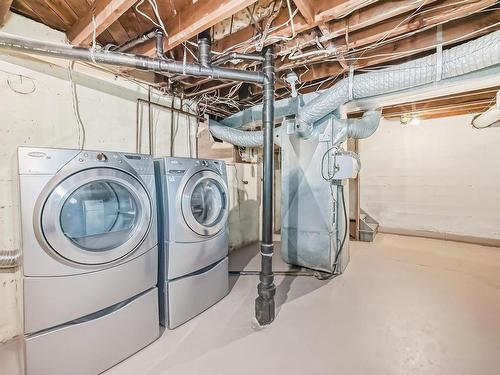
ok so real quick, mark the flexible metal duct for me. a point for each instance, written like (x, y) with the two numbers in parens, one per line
(240, 137)
(10, 258)
(353, 128)
(356, 128)
(235, 136)
(463, 59)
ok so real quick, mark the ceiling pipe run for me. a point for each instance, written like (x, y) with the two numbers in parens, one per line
(19, 44)
(135, 42)
(264, 304)
(489, 118)
(238, 56)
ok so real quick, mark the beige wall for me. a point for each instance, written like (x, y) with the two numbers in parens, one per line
(441, 176)
(244, 200)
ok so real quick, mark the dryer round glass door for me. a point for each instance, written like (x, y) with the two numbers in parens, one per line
(96, 216)
(205, 203)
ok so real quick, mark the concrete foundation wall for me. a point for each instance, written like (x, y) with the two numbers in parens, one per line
(440, 176)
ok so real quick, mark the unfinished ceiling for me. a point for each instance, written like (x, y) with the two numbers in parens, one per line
(319, 40)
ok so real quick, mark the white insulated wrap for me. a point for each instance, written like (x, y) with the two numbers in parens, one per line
(355, 128)
(465, 58)
(235, 136)
(480, 53)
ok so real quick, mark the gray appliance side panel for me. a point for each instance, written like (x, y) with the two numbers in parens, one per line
(191, 295)
(187, 257)
(50, 301)
(162, 230)
(95, 345)
(308, 224)
(151, 238)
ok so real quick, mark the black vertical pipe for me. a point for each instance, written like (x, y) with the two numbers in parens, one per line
(264, 304)
(160, 53)
(204, 47)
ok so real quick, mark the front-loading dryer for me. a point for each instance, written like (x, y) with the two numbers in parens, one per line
(89, 238)
(193, 204)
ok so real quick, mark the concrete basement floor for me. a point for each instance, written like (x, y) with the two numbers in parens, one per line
(404, 306)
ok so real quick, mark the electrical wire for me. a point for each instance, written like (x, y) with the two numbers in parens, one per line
(386, 40)
(21, 77)
(338, 253)
(154, 6)
(76, 108)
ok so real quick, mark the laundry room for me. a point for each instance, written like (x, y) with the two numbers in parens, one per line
(219, 187)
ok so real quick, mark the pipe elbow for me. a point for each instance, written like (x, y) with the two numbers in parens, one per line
(365, 126)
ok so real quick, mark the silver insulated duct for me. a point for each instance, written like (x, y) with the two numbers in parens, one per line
(463, 59)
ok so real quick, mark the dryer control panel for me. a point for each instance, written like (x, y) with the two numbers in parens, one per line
(49, 160)
(142, 164)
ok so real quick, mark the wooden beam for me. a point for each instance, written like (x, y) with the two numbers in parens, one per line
(4, 10)
(335, 9)
(305, 9)
(195, 18)
(397, 26)
(330, 11)
(482, 98)
(105, 12)
(362, 18)
(453, 32)
(421, 42)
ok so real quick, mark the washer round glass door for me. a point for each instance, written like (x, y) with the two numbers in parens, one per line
(96, 216)
(205, 203)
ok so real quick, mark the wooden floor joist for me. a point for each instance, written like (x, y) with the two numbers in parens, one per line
(4, 10)
(195, 18)
(101, 16)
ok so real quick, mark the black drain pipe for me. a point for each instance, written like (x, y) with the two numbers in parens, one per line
(264, 304)
(204, 48)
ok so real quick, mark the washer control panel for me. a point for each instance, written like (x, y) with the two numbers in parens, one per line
(179, 166)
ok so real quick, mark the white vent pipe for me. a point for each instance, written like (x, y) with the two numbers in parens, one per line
(490, 117)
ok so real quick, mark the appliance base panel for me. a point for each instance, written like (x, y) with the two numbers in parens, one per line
(191, 295)
(94, 345)
(51, 301)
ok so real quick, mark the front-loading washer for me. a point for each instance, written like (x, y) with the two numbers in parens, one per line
(193, 204)
(89, 239)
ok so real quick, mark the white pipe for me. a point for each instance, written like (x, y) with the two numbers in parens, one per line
(490, 117)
